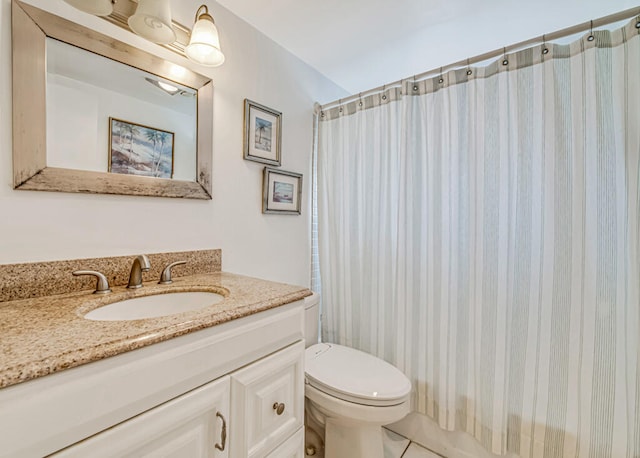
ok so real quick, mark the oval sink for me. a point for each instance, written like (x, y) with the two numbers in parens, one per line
(154, 306)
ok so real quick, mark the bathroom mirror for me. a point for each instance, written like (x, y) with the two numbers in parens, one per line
(93, 114)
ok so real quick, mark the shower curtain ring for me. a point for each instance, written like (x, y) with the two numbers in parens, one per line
(505, 61)
(469, 72)
(545, 50)
(441, 79)
(384, 95)
(415, 86)
(591, 37)
(360, 98)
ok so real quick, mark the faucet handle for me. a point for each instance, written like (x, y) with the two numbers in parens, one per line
(102, 285)
(165, 278)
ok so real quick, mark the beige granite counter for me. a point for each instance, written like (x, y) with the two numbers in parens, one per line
(36, 279)
(43, 335)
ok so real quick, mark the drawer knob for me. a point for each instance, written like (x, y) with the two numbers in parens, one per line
(279, 408)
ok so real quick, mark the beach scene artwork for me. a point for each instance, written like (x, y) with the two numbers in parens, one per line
(263, 134)
(283, 192)
(140, 150)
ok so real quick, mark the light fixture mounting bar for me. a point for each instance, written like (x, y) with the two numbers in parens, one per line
(122, 9)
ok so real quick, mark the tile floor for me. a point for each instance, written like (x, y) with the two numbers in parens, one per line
(396, 446)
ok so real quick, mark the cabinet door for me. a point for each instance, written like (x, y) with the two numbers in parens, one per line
(292, 448)
(267, 402)
(193, 425)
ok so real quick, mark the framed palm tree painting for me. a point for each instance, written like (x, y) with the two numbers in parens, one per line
(135, 149)
(262, 133)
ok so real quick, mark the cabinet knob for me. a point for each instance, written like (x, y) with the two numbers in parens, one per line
(279, 408)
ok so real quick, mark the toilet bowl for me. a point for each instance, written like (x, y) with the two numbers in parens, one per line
(349, 394)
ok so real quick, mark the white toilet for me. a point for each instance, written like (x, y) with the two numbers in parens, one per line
(349, 395)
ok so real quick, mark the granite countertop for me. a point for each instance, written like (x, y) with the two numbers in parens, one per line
(43, 335)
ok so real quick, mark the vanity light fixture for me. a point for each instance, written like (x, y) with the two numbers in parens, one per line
(152, 20)
(169, 88)
(204, 45)
(166, 87)
(97, 7)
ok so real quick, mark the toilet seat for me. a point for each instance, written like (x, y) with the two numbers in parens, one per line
(355, 376)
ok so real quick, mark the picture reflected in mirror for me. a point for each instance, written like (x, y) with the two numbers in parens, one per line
(140, 150)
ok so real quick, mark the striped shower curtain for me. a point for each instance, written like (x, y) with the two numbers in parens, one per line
(480, 231)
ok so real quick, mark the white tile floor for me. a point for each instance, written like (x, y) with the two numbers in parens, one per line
(415, 451)
(396, 446)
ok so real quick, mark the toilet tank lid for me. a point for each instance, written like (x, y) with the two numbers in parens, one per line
(354, 375)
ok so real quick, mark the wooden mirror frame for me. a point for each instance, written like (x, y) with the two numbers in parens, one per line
(31, 27)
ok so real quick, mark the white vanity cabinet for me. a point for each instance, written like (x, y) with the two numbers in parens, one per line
(233, 390)
(267, 402)
(267, 406)
(192, 425)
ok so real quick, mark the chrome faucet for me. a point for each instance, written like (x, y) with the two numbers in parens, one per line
(140, 264)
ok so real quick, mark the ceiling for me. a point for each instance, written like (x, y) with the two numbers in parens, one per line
(328, 33)
(361, 44)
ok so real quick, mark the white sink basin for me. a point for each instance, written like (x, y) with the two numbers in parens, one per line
(154, 306)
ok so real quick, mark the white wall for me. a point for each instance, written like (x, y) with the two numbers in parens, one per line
(37, 226)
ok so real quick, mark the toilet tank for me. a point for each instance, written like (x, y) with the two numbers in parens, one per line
(311, 319)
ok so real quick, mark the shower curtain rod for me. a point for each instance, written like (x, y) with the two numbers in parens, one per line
(589, 25)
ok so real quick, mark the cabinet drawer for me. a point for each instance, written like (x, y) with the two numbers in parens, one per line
(292, 448)
(188, 426)
(269, 396)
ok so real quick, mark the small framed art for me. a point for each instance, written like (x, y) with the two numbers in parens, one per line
(135, 149)
(281, 192)
(262, 133)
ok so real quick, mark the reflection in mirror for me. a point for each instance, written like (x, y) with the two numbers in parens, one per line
(93, 114)
(84, 90)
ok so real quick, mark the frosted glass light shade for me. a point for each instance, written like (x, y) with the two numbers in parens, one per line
(97, 7)
(204, 45)
(152, 20)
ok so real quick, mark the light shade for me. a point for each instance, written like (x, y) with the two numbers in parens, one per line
(97, 7)
(204, 45)
(152, 20)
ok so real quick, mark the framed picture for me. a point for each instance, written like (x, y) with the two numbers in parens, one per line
(135, 149)
(281, 192)
(262, 133)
